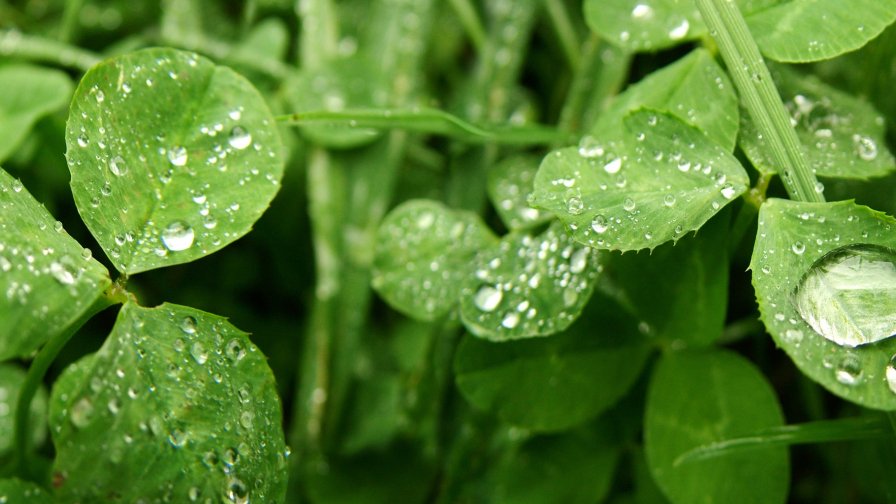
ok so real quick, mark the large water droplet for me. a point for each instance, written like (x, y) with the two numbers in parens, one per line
(680, 31)
(579, 260)
(849, 370)
(239, 138)
(200, 355)
(82, 413)
(177, 156)
(118, 167)
(866, 147)
(589, 147)
(511, 319)
(62, 272)
(599, 224)
(613, 166)
(849, 295)
(177, 236)
(188, 325)
(575, 206)
(237, 492)
(487, 298)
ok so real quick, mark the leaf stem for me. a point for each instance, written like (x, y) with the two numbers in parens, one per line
(757, 90)
(470, 21)
(822, 431)
(566, 32)
(45, 357)
(433, 121)
(16, 44)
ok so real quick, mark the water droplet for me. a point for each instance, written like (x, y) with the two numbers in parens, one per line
(865, 147)
(628, 205)
(200, 355)
(599, 224)
(62, 272)
(575, 206)
(589, 147)
(16, 186)
(487, 298)
(177, 438)
(579, 260)
(728, 191)
(849, 370)
(83, 141)
(177, 156)
(188, 325)
(118, 167)
(237, 492)
(680, 31)
(235, 350)
(99, 95)
(613, 166)
(641, 11)
(106, 190)
(847, 295)
(798, 247)
(669, 200)
(82, 413)
(239, 138)
(194, 493)
(86, 254)
(511, 319)
(177, 236)
(891, 374)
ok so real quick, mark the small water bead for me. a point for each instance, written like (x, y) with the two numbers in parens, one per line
(599, 224)
(239, 138)
(99, 95)
(728, 191)
(511, 320)
(235, 350)
(83, 141)
(849, 370)
(628, 205)
(81, 413)
(199, 353)
(177, 156)
(178, 236)
(487, 298)
(680, 31)
(579, 260)
(62, 273)
(86, 254)
(669, 200)
(188, 325)
(118, 167)
(177, 438)
(613, 166)
(891, 374)
(57, 226)
(798, 247)
(641, 11)
(865, 147)
(106, 190)
(575, 206)
(589, 147)
(237, 492)
(194, 493)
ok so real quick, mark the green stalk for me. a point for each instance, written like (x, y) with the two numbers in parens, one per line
(470, 21)
(70, 20)
(759, 95)
(432, 121)
(29, 47)
(822, 431)
(566, 32)
(35, 376)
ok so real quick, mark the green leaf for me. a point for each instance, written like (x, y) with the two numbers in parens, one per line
(11, 380)
(181, 182)
(691, 279)
(509, 186)
(47, 280)
(697, 398)
(528, 286)
(29, 93)
(824, 275)
(695, 89)
(661, 180)
(14, 490)
(550, 384)
(572, 467)
(812, 30)
(177, 405)
(654, 24)
(341, 84)
(423, 254)
(842, 136)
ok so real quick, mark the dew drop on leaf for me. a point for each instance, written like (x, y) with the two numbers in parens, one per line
(865, 146)
(82, 412)
(798, 247)
(579, 260)
(239, 138)
(177, 236)
(575, 206)
(891, 374)
(200, 355)
(487, 298)
(849, 295)
(177, 156)
(118, 167)
(849, 370)
(599, 224)
(613, 166)
(511, 320)
(188, 325)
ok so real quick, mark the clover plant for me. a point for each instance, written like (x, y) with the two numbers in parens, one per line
(624, 251)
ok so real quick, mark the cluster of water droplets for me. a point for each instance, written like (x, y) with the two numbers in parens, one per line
(529, 285)
(645, 24)
(181, 364)
(132, 173)
(510, 186)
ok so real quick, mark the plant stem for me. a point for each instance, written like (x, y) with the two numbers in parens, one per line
(428, 120)
(822, 431)
(757, 90)
(70, 20)
(40, 365)
(470, 21)
(566, 32)
(16, 44)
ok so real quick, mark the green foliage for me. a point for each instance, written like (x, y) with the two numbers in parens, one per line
(170, 186)
(447, 284)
